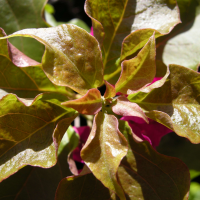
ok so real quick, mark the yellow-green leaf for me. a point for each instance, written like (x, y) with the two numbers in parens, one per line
(110, 90)
(113, 21)
(26, 131)
(104, 150)
(139, 71)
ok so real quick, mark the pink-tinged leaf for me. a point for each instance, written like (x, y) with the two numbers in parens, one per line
(157, 82)
(104, 150)
(110, 90)
(13, 54)
(71, 56)
(89, 104)
(124, 107)
(138, 72)
(17, 15)
(17, 78)
(151, 132)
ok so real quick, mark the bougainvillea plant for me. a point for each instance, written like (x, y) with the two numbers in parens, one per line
(43, 91)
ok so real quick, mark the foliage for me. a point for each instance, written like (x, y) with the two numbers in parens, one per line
(44, 89)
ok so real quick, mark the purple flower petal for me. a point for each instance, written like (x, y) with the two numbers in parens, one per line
(83, 132)
(152, 132)
(91, 32)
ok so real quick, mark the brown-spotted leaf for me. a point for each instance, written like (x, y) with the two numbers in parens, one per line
(110, 90)
(146, 174)
(113, 20)
(179, 98)
(16, 77)
(104, 150)
(139, 71)
(26, 131)
(124, 107)
(72, 57)
(89, 104)
(83, 187)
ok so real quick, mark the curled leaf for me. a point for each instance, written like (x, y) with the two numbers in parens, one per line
(179, 98)
(26, 133)
(104, 150)
(139, 71)
(124, 108)
(89, 104)
(71, 56)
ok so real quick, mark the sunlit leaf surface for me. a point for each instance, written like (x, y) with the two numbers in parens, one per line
(139, 71)
(114, 20)
(103, 151)
(23, 81)
(26, 132)
(89, 104)
(183, 49)
(179, 98)
(71, 56)
(39, 183)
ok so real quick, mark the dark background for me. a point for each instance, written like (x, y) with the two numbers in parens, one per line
(66, 10)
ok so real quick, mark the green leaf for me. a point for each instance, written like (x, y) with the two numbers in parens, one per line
(110, 91)
(139, 71)
(146, 174)
(26, 131)
(17, 15)
(194, 191)
(71, 56)
(89, 104)
(80, 23)
(112, 21)
(104, 150)
(83, 187)
(69, 141)
(179, 98)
